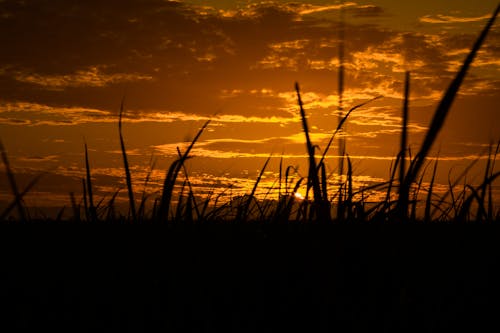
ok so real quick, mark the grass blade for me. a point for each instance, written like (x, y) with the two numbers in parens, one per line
(110, 214)
(323, 214)
(85, 203)
(455, 183)
(341, 123)
(280, 177)
(243, 213)
(465, 209)
(142, 206)
(191, 193)
(349, 189)
(490, 194)
(76, 208)
(340, 93)
(171, 177)
(92, 209)
(427, 213)
(404, 190)
(445, 105)
(126, 166)
(13, 184)
(15, 202)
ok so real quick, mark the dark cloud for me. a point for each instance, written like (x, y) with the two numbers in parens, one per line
(366, 11)
(167, 55)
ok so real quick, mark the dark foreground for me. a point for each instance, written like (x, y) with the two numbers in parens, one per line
(427, 278)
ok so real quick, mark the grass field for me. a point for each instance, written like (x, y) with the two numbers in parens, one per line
(407, 198)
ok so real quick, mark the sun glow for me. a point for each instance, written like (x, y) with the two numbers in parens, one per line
(298, 196)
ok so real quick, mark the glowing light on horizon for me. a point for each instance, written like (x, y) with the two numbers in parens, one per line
(299, 196)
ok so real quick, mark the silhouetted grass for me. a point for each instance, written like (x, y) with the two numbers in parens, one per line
(171, 177)
(126, 167)
(320, 206)
(179, 202)
(444, 107)
(243, 210)
(403, 190)
(13, 185)
(92, 211)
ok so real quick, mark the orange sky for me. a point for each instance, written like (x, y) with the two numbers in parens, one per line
(65, 66)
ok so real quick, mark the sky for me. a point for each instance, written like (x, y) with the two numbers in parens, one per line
(66, 65)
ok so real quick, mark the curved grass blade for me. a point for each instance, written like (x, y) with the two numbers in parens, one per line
(15, 202)
(92, 209)
(403, 190)
(243, 213)
(85, 203)
(427, 213)
(126, 166)
(465, 209)
(341, 123)
(142, 205)
(171, 177)
(445, 105)
(455, 183)
(191, 193)
(349, 189)
(13, 184)
(322, 211)
(76, 208)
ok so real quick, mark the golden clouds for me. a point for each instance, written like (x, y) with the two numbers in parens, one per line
(307, 9)
(299, 9)
(90, 77)
(447, 19)
(26, 113)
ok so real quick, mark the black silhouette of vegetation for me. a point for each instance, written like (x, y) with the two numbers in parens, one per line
(471, 203)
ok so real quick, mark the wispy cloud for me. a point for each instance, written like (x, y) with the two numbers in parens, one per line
(90, 77)
(40, 159)
(26, 113)
(307, 9)
(447, 19)
(257, 9)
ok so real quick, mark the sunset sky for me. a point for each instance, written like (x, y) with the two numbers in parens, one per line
(65, 66)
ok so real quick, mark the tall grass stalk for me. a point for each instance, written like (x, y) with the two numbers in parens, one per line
(340, 91)
(15, 202)
(490, 190)
(243, 213)
(341, 124)
(110, 214)
(444, 106)
(320, 206)
(180, 203)
(13, 185)
(91, 208)
(144, 197)
(280, 177)
(451, 187)
(171, 177)
(75, 206)
(428, 201)
(128, 178)
(349, 196)
(403, 190)
(85, 203)
(464, 214)
(191, 192)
